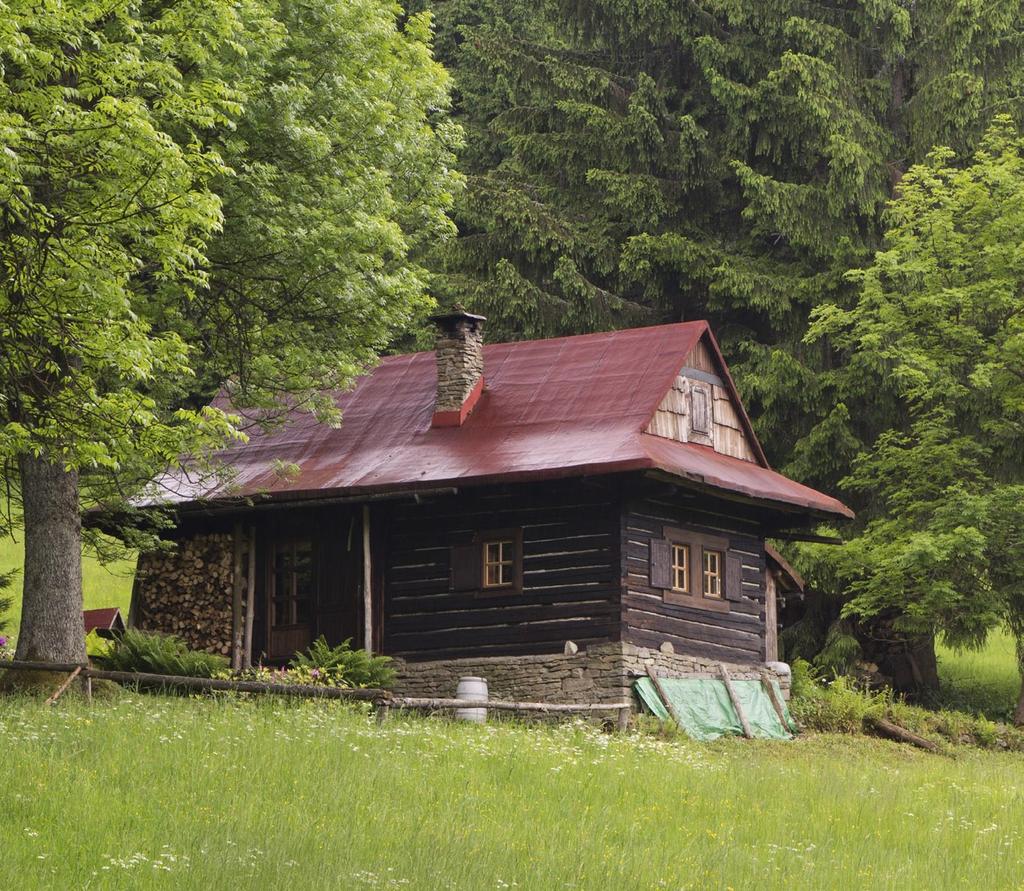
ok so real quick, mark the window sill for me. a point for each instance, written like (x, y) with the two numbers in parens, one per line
(712, 604)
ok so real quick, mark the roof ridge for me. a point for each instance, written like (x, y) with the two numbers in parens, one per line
(561, 338)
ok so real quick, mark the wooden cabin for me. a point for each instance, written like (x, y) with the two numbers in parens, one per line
(553, 515)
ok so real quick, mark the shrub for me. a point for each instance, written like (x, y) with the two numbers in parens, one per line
(341, 666)
(160, 654)
(841, 706)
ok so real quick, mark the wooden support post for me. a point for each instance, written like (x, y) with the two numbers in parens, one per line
(236, 600)
(736, 704)
(624, 715)
(88, 691)
(769, 688)
(771, 617)
(653, 675)
(250, 601)
(367, 583)
(383, 710)
(67, 683)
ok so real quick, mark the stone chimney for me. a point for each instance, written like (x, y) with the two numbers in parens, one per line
(460, 365)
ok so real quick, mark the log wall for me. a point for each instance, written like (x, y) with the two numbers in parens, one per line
(570, 579)
(734, 636)
(188, 591)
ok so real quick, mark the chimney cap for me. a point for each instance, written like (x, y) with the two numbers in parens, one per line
(455, 315)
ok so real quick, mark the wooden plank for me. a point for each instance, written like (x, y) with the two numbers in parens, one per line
(769, 688)
(482, 617)
(653, 675)
(67, 683)
(736, 704)
(700, 357)
(747, 642)
(421, 604)
(438, 641)
(743, 616)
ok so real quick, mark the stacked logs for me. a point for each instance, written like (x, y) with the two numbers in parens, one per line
(187, 592)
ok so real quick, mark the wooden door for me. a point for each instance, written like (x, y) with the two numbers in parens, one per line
(291, 596)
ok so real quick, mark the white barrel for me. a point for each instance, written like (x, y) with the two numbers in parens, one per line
(476, 689)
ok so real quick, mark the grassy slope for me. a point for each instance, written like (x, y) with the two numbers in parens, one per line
(148, 792)
(102, 586)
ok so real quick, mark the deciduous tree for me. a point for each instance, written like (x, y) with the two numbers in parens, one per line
(937, 336)
(192, 195)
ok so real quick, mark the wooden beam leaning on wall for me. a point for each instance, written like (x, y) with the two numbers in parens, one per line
(736, 704)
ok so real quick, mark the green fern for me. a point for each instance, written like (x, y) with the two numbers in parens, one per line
(344, 666)
(144, 651)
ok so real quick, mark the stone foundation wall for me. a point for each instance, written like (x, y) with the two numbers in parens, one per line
(594, 675)
(187, 592)
(603, 673)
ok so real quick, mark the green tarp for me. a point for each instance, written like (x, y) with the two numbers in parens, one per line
(705, 711)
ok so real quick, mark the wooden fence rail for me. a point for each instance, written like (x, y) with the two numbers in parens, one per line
(384, 700)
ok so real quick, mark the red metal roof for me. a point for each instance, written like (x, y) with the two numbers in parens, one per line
(566, 406)
(104, 619)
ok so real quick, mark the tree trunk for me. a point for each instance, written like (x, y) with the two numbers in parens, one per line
(1018, 712)
(51, 611)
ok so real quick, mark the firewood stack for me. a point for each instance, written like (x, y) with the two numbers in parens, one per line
(187, 592)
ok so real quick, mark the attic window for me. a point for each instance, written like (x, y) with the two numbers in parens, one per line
(700, 410)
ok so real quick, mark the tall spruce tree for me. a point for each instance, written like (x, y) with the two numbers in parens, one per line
(647, 162)
(644, 162)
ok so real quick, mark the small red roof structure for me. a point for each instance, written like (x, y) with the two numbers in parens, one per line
(106, 622)
(563, 407)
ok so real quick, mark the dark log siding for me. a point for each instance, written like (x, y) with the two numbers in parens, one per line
(733, 636)
(571, 576)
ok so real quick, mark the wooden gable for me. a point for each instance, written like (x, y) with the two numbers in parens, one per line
(701, 407)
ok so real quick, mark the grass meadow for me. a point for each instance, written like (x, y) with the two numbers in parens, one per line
(157, 792)
(162, 792)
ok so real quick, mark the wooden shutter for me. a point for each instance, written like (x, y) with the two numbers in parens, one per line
(466, 567)
(661, 563)
(733, 576)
